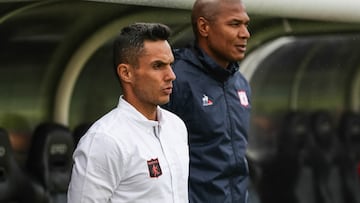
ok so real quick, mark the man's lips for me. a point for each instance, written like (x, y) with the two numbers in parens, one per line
(241, 48)
(167, 90)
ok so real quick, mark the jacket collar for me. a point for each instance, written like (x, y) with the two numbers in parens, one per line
(203, 61)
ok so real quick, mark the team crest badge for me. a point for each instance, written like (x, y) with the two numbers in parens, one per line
(243, 98)
(206, 101)
(154, 168)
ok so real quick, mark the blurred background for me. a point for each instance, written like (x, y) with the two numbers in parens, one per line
(303, 64)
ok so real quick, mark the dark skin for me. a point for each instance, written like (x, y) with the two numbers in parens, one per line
(224, 35)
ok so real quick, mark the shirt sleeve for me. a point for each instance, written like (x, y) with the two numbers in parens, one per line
(96, 171)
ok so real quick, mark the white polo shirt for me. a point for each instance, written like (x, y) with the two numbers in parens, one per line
(124, 157)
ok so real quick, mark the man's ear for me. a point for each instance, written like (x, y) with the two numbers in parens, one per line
(124, 72)
(203, 26)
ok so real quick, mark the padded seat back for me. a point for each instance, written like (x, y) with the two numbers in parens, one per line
(14, 185)
(295, 132)
(327, 177)
(50, 159)
(323, 129)
(349, 134)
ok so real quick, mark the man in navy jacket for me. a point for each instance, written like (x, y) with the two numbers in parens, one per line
(213, 99)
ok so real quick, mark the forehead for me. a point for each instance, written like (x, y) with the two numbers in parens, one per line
(157, 50)
(234, 10)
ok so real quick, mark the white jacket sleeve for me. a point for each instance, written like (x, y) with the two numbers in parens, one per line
(96, 171)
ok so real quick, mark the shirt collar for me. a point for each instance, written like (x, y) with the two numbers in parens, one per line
(140, 118)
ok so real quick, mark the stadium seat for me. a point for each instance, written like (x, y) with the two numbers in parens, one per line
(349, 132)
(15, 186)
(322, 158)
(50, 159)
(280, 176)
(349, 135)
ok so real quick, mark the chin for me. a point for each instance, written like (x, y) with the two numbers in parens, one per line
(164, 101)
(239, 57)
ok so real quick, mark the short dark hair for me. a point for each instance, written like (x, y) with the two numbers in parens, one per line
(129, 44)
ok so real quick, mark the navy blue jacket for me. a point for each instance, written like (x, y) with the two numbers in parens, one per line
(215, 105)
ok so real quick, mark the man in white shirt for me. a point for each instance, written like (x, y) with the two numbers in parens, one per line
(138, 152)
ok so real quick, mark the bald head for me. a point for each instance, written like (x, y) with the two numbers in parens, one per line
(221, 29)
(209, 9)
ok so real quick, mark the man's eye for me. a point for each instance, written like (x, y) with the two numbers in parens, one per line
(235, 24)
(157, 65)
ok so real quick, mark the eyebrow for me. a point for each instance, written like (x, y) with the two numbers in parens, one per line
(161, 62)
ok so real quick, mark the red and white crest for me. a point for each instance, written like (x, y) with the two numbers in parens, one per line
(243, 98)
(154, 168)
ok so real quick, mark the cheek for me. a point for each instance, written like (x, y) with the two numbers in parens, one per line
(222, 40)
(220, 37)
(146, 86)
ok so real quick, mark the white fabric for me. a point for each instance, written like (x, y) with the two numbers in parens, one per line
(110, 161)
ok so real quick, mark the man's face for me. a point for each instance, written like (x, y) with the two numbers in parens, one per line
(152, 79)
(228, 33)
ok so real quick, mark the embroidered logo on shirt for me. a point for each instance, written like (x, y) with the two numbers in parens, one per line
(154, 168)
(206, 101)
(243, 98)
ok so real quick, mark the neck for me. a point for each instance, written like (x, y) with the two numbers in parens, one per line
(151, 115)
(148, 110)
(221, 63)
